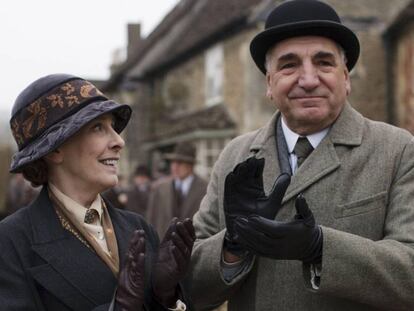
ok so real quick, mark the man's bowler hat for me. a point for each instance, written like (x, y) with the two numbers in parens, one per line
(303, 18)
(54, 108)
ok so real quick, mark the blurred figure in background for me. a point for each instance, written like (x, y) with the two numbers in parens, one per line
(181, 194)
(117, 195)
(19, 193)
(139, 191)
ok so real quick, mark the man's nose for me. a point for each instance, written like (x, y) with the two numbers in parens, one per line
(308, 78)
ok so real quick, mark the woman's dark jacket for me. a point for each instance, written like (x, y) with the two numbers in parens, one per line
(45, 267)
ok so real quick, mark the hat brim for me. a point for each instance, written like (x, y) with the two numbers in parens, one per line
(332, 30)
(178, 157)
(60, 132)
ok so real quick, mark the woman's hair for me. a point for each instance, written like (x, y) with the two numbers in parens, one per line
(36, 172)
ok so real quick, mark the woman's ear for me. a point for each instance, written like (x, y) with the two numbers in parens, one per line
(54, 157)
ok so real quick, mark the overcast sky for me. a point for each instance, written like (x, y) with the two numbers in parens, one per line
(39, 37)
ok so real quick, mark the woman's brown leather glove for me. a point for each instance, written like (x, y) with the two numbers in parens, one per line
(172, 261)
(130, 292)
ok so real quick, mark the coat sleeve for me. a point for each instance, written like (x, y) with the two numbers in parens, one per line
(206, 271)
(377, 273)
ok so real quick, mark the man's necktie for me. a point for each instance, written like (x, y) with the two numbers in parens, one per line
(302, 149)
(91, 216)
(179, 194)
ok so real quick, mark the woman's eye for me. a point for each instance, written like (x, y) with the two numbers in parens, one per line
(97, 127)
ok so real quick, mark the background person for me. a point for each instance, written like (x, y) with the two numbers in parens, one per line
(139, 191)
(19, 193)
(181, 194)
(341, 236)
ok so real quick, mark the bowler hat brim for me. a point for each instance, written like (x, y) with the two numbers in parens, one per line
(60, 132)
(332, 30)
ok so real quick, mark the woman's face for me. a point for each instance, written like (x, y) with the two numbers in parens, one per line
(89, 159)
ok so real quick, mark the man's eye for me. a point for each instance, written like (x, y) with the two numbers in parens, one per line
(325, 63)
(287, 65)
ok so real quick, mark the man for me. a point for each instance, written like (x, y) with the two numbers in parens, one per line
(138, 194)
(19, 193)
(179, 195)
(342, 237)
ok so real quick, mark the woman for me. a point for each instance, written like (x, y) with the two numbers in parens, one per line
(64, 251)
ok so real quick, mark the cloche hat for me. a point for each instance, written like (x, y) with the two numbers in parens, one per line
(52, 109)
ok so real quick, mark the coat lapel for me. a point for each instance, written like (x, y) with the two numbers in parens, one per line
(264, 146)
(321, 162)
(72, 272)
(190, 203)
(123, 232)
(325, 159)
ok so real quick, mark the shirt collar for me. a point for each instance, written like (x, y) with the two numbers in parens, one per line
(292, 137)
(74, 208)
(185, 183)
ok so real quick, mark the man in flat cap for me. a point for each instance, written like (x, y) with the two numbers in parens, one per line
(179, 195)
(314, 211)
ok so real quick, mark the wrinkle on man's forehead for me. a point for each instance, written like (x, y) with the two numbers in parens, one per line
(300, 47)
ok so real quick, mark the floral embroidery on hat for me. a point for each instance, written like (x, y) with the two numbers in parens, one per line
(52, 106)
(72, 100)
(68, 88)
(56, 100)
(85, 90)
(16, 133)
(38, 113)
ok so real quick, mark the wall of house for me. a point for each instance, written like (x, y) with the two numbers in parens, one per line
(369, 19)
(183, 86)
(404, 84)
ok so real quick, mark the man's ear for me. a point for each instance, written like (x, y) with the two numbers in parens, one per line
(347, 82)
(54, 157)
(268, 88)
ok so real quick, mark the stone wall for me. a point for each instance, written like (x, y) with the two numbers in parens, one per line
(404, 72)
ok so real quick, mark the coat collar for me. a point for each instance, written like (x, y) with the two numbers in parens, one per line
(71, 268)
(347, 130)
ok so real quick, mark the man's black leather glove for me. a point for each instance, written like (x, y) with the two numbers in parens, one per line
(244, 196)
(172, 261)
(299, 239)
(130, 293)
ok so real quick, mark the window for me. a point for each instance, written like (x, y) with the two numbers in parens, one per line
(207, 154)
(214, 75)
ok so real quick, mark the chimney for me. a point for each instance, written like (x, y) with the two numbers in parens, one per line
(134, 38)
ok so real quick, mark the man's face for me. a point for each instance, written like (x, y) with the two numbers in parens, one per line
(141, 179)
(308, 80)
(181, 170)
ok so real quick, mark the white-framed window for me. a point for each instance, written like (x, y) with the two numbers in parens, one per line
(214, 67)
(208, 152)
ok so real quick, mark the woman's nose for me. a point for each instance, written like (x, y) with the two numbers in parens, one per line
(117, 142)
